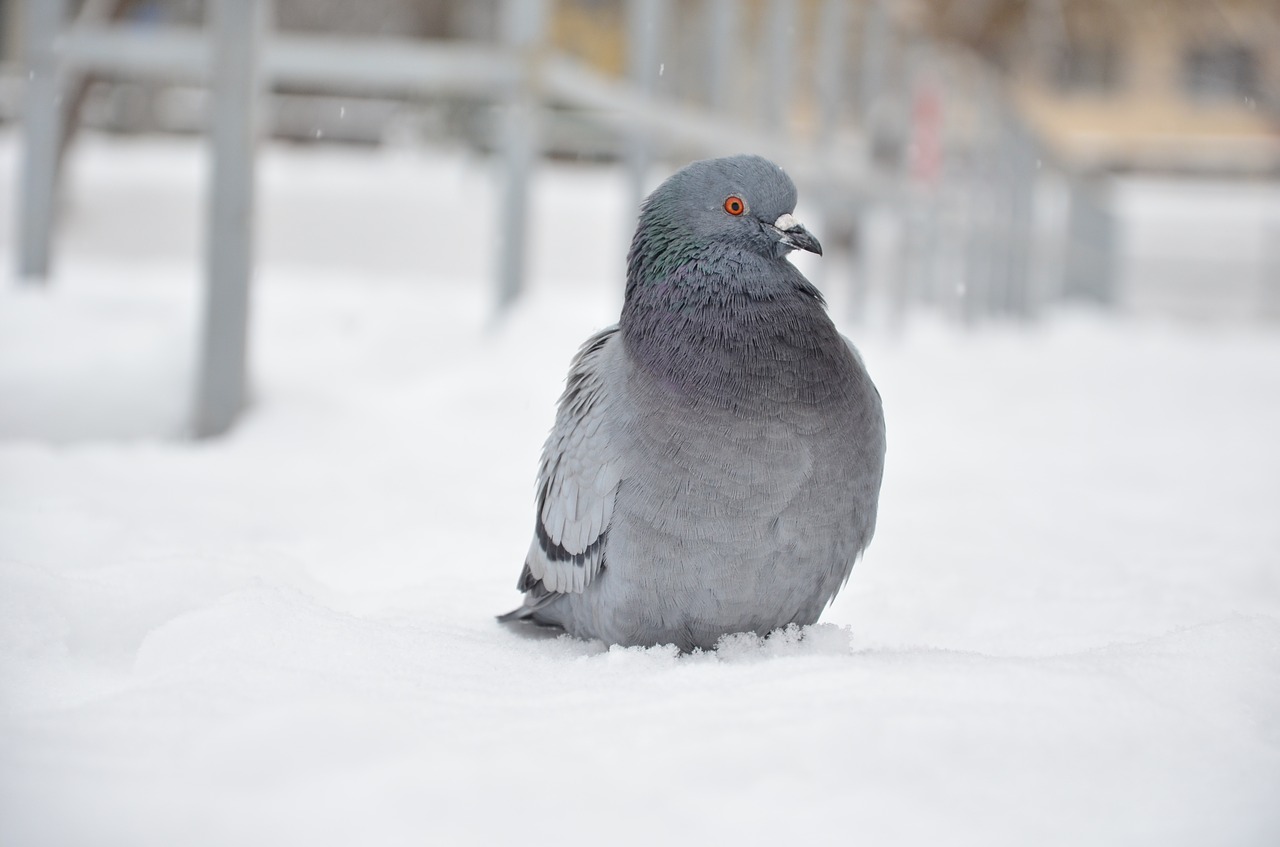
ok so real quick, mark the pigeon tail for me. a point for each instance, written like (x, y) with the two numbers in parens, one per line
(537, 599)
(520, 614)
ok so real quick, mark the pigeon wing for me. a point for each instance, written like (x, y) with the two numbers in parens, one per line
(577, 479)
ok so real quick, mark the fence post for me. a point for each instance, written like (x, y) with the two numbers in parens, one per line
(833, 202)
(830, 68)
(645, 19)
(1268, 269)
(776, 49)
(42, 131)
(521, 26)
(237, 30)
(1023, 220)
(873, 54)
(875, 39)
(722, 26)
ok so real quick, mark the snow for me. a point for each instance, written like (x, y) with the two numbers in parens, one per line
(1066, 631)
(1200, 249)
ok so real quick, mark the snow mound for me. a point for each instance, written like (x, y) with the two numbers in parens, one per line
(823, 639)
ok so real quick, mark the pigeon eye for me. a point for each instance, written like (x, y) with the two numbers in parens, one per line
(735, 205)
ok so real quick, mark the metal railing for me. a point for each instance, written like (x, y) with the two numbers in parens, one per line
(870, 119)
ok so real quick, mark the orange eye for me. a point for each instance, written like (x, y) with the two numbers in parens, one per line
(735, 205)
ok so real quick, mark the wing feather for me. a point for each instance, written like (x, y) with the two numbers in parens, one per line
(577, 478)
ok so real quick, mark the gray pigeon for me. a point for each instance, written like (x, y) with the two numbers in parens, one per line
(716, 460)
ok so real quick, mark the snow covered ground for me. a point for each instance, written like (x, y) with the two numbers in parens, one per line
(1067, 630)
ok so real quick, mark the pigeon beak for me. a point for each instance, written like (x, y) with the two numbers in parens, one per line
(793, 234)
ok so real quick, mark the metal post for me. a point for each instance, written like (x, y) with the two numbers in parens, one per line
(237, 33)
(1106, 251)
(522, 26)
(722, 26)
(829, 69)
(830, 62)
(1268, 271)
(1023, 221)
(875, 43)
(1047, 257)
(861, 216)
(919, 199)
(42, 129)
(873, 57)
(1000, 292)
(645, 19)
(983, 276)
(777, 39)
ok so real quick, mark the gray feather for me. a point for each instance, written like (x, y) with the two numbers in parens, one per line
(716, 461)
(577, 480)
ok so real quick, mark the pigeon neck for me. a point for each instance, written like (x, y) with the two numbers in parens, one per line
(722, 326)
(658, 250)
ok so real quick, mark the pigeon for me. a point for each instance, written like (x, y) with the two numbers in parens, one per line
(716, 459)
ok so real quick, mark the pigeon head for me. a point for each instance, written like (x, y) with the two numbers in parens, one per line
(739, 202)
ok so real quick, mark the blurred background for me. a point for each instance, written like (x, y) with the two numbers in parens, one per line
(972, 160)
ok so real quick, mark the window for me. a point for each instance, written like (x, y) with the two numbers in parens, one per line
(1087, 66)
(1220, 72)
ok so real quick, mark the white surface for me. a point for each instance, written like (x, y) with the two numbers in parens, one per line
(1206, 250)
(1067, 630)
